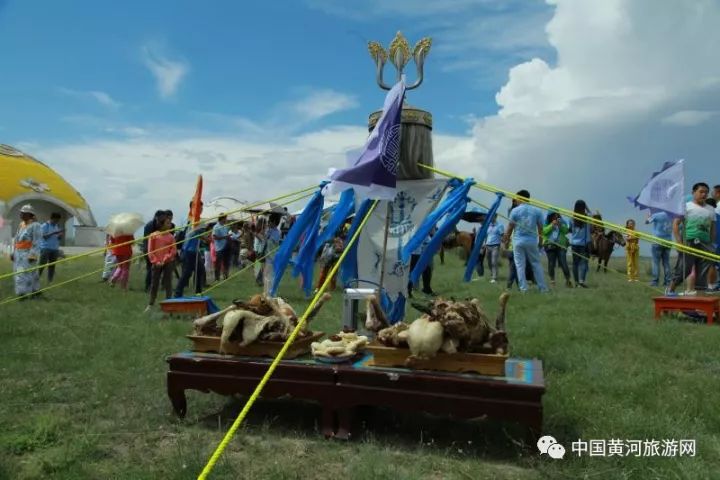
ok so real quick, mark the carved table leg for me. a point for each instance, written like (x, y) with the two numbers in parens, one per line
(327, 422)
(345, 420)
(177, 396)
(534, 430)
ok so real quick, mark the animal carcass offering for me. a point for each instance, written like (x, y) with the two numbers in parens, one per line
(257, 327)
(450, 335)
(343, 345)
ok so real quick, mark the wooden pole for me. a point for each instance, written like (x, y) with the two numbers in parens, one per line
(385, 240)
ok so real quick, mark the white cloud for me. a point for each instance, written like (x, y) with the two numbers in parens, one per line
(613, 49)
(594, 124)
(168, 73)
(323, 103)
(103, 98)
(128, 131)
(285, 118)
(92, 124)
(152, 172)
(689, 118)
(147, 173)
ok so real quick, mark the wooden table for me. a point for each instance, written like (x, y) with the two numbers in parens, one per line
(339, 389)
(228, 375)
(709, 305)
(517, 396)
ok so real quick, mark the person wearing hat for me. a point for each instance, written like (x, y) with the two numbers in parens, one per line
(26, 253)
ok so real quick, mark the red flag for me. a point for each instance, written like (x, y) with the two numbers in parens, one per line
(196, 207)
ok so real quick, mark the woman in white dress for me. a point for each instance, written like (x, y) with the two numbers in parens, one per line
(26, 252)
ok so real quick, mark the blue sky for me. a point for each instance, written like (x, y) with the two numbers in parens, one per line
(567, 98)
(242, 59)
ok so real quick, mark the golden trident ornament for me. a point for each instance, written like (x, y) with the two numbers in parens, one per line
(399, 55)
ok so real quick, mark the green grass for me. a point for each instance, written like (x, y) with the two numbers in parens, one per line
(82, 392)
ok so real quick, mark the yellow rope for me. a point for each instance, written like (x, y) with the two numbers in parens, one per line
(236, 424)
(85, 275)
(56, 285)
(136, 240)
(594, 221)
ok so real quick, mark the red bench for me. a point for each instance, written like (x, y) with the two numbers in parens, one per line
(708, 305)
(185, 306)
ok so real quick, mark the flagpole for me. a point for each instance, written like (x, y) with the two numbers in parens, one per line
(385, 241)
(196, 274)
(684, 229)
(193, 222)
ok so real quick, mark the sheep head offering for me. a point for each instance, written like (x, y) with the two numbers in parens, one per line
(450, 326)
(260, 318)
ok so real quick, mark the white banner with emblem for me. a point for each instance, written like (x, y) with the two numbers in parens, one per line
(415, 199)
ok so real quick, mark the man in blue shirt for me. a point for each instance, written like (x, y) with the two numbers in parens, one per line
(52, 232)
(525, 227)
(492, 245)
(662, 228)
(193, 260)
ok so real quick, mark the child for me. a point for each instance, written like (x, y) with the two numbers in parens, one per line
(110, 260)
(632, 252)
(161, 252)
(121, 249)
(329, 257)
(512, 277)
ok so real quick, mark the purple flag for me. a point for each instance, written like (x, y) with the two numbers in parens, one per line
(373, 172)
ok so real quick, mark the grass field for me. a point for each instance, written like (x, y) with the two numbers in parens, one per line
(82, 375)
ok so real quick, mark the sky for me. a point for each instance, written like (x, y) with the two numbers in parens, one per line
(569, 99)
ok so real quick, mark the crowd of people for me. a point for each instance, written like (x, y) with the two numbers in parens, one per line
(175, 256)
(531, 231)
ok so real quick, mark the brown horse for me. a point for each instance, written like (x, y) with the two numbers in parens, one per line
(605, 246)
(457, 239)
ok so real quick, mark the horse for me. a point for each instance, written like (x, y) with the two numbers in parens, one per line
(448, 243)
(454, 239)
(605, 245)
(459, 238)
(596, 232)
